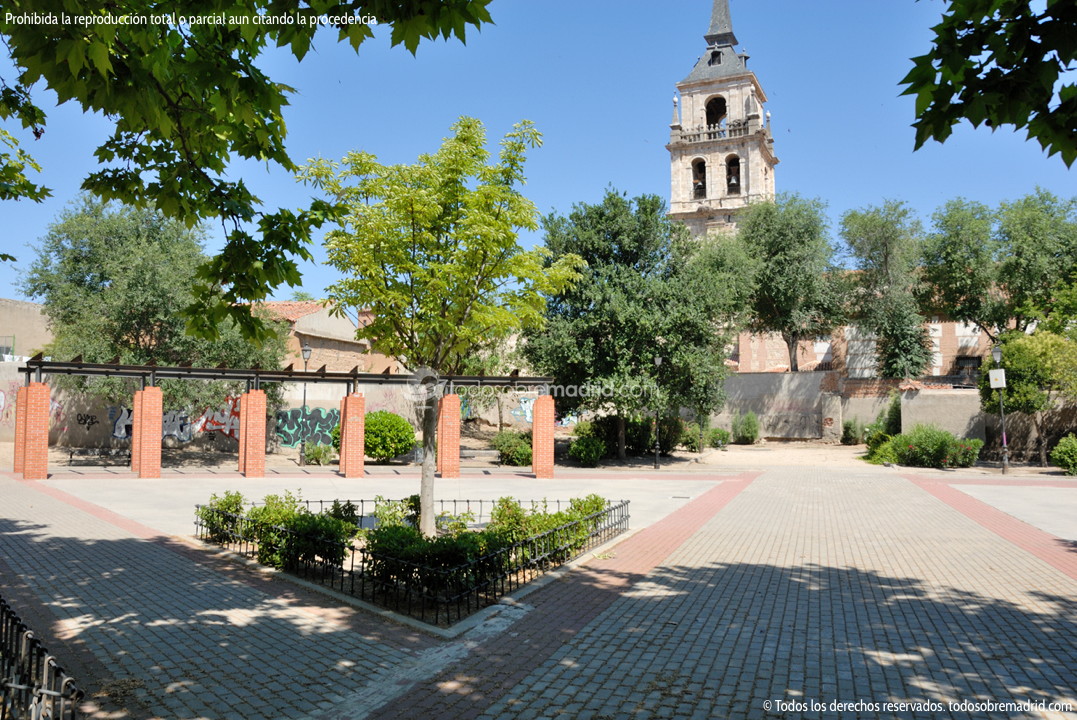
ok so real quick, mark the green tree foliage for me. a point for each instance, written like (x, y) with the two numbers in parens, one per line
(112, 280)
(185, 100)
(798, 291)
(431, 249)
(1001, 62)
(1040, 368)
(1000, 269)
(648, 291)
(885, 242)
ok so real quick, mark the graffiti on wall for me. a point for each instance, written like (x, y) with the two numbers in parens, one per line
(86, 420)
(224, 419)
(174, 423)
(120, 418)
(312, 424)
(524, 412)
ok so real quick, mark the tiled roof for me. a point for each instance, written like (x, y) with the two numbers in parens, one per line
(292, 310)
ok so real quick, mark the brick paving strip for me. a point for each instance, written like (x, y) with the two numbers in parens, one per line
(560, 610)
(1045, 546)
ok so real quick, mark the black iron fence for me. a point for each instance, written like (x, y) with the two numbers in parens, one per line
(478, 510)
(32, 683)
(439, 595)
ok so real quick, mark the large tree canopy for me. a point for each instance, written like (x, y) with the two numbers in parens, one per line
(1001, 62)
(648, 291)
(431, 249)
(798, 290)
(185, 99)
(112, 280)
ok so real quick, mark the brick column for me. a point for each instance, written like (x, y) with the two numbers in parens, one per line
(35, 459)
(252, 434)
(136, 436)
(542, 421)
(352, 435)
(147, 429)
(20, 430)
(449, 436)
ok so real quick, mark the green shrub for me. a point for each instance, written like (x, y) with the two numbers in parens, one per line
(718, 437)
(639, 434)
(277, 511)
(387, 435)
(883, 453)
(587, 451)
(892, 420)
(852, 432)
(319, 454)
(670, 432)
(314, 537)
(348, 512)
(513, 447)
(584, 428)
(1065, 454)
(449, 524)
(690, 438)
(396, 513)
(929, 446)
(745, 429)
(221, 528)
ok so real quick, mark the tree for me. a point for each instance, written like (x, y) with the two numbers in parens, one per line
(431, 249)
(186, 98)
(1040, 368)
(648, 291)
(1000, 269)
(1000, 63)
(798, 289)
(112, 279)
(885, 243)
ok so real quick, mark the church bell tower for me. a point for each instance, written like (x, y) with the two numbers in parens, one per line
(720, 146)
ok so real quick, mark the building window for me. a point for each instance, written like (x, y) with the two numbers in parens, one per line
(716, 58)
(699, 179)
(716, 112)
(732, 175)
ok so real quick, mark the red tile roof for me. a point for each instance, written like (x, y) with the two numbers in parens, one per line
(292, 310)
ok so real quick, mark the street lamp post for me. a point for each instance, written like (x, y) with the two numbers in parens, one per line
(657, 364)
(305, 350)
(996, 353)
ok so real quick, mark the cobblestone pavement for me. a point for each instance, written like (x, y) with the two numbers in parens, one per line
(769, 595)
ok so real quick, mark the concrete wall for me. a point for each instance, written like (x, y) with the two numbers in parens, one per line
(26, 322)
(955, 410)
(789, 405)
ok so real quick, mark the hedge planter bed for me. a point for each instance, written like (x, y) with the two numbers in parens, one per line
(384, 560)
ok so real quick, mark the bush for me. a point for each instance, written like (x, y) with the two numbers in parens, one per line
(892, 419)
(745, 429)
(514, 448)
(929, 446)
(587, 451)
(319, 454)
(387, 435)
(1065, 454)
(883, 453)
(314, 537)
(584, 428)
(348, 512)
(852, 432)
(690, 438)
(222, 528)
(718, 437)
(639, 435)
(670, 431)
(397, 513)
(267, 519)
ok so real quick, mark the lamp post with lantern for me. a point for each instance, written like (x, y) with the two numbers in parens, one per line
(305, 351)
(998, 381)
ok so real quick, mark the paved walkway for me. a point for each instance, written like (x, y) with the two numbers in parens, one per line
(753, 594)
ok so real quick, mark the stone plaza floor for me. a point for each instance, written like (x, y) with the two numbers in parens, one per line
(746, 590)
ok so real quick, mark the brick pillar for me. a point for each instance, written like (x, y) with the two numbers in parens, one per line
(542, 421)
(252, 434)
(352, 435)
(148, 431)
(136, 436)
(35, 459)
(20, 430)
(449, 436)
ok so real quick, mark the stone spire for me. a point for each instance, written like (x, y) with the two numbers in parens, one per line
(721, 29)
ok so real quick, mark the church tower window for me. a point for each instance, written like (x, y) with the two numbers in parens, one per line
(716, 112)
(732, 175)
(699, 179)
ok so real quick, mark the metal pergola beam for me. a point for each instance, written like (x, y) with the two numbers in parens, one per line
(38, 366)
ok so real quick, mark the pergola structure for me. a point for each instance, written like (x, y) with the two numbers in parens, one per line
(32, 413)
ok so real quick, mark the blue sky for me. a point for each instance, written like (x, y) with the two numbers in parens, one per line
(597, 77)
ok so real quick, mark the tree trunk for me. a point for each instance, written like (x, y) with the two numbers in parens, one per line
(1041, 445)
(430, 463)
(792, 340)
(621, 454)
(500, 415)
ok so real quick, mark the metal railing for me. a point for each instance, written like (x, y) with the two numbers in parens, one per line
(440, 595)
(32, 683)
(478, 509)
